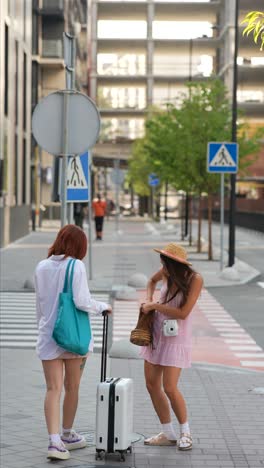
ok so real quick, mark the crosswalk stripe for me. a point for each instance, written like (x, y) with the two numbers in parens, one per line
(253, 363)
(240, 343)
(18, 328)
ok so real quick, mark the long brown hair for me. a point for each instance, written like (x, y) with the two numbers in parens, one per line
(180, 276)
(70, 241)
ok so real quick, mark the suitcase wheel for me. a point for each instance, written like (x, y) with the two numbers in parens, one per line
(99, 454)
(129, 449)
(122, 456)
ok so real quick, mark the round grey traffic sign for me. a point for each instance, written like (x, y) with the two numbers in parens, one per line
(83, 123)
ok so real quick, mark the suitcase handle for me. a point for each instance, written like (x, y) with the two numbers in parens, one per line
(104, 346)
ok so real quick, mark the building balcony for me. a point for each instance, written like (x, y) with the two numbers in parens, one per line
(52, 48)
(255, 5)
(54, 8)
(205, 44)
(122, 112)
(251, 74)
(252, 108)
(164, 10)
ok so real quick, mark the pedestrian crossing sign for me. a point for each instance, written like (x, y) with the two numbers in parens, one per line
(77, 178)
(222, 157)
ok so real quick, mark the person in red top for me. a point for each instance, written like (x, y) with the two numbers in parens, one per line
(99, 210)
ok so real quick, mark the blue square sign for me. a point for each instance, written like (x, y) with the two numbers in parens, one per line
(222, 157)
(78, 178)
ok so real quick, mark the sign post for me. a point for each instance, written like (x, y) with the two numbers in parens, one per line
(117, 177)
(67, 123)
(69, 43)
(153, 182)
(222, 158)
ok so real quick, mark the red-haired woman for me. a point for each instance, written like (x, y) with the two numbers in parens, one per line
(71, 242)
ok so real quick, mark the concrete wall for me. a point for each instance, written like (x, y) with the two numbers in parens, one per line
(14, 223)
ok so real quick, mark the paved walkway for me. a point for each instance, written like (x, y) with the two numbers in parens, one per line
(225, 412)
(226, 417)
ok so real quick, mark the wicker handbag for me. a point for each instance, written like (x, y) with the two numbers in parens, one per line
(142, 334)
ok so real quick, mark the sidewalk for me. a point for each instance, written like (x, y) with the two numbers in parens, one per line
(225, 413)
(226, 418)
(119, 255)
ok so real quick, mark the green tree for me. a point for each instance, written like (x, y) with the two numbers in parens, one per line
(255, 25)
(175, 143)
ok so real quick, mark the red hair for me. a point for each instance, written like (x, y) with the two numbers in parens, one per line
(70, 241)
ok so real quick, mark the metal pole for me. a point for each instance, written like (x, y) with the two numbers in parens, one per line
(70, 84)
(166, 202)
(40, 187)
(90, 215)
(232, 209)
(222, 214)
(116, 167)
(186, 213)
(64, 161)
(153, 201)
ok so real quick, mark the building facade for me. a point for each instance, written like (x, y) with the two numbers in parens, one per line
(50, 18)
(142, 52)
(15, 118)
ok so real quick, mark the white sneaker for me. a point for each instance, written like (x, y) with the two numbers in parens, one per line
(58, 452)
(73, 440)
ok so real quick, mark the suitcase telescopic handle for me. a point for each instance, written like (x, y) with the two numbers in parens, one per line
(104, 346)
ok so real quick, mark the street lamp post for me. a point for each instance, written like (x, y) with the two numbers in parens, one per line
(232, 206)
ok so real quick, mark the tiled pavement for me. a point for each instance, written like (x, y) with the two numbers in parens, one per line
(226, 418)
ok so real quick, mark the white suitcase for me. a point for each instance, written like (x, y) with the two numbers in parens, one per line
(114, 410)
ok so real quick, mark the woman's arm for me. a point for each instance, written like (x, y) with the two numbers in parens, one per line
(81, 293)
(179, 312)
(152, 282)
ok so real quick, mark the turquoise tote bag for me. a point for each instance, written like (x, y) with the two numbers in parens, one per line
(72, 330)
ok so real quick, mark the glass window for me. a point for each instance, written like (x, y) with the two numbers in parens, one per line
(190, 65)
(168, 94)
(122, 29)
(24, 172)
(25, 20)
(181, 29)
(250, 95)
(6, 68)
(35, 29)
(120, 128)
(16, 82)
(118, 97)
(121, 64)
(24, 91)
(16, 170)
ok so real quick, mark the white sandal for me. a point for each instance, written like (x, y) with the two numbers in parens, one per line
(159, 440)
(185, 442)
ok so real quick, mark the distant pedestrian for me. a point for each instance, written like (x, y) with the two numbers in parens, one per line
(99, 210)
(62, 367)
(110, 206)
(78, 214)
(171, 348)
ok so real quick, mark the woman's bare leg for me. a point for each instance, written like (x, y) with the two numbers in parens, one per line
(153, 376)
(170, 381)
(53, 371)
(73, 373)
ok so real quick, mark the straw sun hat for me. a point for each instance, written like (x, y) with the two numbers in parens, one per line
(175, 252)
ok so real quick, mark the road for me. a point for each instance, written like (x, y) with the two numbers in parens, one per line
(245, 303)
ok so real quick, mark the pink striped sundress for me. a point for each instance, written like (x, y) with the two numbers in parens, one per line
(172, 351)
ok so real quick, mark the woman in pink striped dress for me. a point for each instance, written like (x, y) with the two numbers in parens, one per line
(170, 351)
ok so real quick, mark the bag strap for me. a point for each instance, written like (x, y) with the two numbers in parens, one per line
(71, 276)
(65, 287)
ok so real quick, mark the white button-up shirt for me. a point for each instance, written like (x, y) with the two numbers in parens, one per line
(49, 282)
